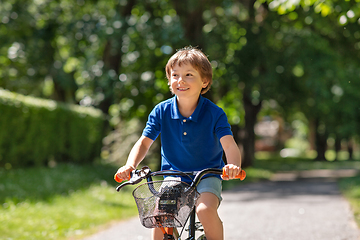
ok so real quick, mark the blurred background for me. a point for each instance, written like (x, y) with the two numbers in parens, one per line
(78, 78)
(285, 72)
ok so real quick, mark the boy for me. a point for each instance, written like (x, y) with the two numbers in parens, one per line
(194, 134)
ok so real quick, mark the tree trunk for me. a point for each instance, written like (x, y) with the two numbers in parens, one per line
(112, 59)
(350, 149)
(337, 147)
(248, 140)
(192, 20)
(320, 141)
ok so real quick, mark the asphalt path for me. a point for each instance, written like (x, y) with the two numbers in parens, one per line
(291, 207)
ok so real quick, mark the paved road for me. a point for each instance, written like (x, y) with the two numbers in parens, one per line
(296, 210)
(284, 209)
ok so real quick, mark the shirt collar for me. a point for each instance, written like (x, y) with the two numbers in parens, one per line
(175, 113)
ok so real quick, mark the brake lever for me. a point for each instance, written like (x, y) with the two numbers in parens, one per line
(139, 175)
(136, 176)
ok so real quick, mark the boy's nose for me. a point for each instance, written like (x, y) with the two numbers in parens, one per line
(181, 80)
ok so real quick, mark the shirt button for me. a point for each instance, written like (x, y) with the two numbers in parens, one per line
(185, 133)
(184, 120)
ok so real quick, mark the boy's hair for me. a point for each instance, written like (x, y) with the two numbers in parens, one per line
(197, 59)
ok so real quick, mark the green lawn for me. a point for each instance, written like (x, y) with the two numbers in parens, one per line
(61, 202)
(350, 188)
(71, 201)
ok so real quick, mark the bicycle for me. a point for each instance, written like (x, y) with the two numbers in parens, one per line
(169, 203)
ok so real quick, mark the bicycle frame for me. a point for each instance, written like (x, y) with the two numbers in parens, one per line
(172, 233)
(192, 228)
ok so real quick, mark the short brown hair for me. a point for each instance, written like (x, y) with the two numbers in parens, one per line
(197, 59)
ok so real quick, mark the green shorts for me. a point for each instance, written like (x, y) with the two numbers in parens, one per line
(212, 185)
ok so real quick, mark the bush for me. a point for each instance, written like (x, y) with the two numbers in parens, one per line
(35, 131)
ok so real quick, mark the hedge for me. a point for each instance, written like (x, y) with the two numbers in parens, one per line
(36, 131)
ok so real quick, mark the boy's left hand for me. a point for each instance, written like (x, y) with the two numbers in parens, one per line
(231, 171)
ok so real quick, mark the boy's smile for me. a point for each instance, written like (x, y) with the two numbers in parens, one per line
(182, 89)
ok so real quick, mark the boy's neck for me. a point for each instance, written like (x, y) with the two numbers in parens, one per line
(187, 106)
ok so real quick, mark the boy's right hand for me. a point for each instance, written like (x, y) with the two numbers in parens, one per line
(123, 173)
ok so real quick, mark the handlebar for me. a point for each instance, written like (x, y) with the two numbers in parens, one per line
(241, 175)
(137, 176)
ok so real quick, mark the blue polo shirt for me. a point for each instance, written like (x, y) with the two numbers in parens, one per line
(188, 144)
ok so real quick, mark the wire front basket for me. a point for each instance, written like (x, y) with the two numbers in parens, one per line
(166, 203)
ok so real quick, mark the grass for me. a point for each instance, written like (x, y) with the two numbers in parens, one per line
(275, 164)
(72, 201)
(64, 202)
(350, 187)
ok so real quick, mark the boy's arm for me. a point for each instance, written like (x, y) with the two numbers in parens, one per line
(233, 156)
(137, 154)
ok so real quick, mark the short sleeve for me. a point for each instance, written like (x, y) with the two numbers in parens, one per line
(153, 124)
(222, 127)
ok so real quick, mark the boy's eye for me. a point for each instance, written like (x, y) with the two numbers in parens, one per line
(189, 74)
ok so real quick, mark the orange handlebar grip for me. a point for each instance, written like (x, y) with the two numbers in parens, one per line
(240, 176)
(119, 180)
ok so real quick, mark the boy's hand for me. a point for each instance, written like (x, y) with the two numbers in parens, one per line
(123, 173)
(231, 171)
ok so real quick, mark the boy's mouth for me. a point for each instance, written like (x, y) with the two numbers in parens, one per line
(182, 89)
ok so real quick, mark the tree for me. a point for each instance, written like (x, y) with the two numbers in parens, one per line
(326, 56)
(301, 55)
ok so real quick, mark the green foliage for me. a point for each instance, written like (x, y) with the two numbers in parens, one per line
(300, 56)
(37, 131)
(233, 108)
(62, 202)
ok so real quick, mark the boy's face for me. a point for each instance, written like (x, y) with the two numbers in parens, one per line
(185, 81)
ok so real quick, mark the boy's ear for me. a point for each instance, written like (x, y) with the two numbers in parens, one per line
(205, 83)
